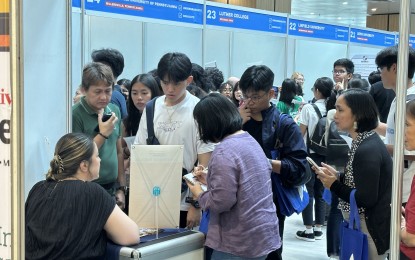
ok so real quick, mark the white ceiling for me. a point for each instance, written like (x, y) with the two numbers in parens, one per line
(350, 12)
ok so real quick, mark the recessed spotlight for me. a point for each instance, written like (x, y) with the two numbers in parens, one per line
(312, 13)
(373, 9)
(345, 3)
(339, 18)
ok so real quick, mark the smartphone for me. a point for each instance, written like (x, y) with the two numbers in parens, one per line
(311, 162)
(105, 117)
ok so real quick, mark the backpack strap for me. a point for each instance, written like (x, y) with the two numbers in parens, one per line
(317, 110)
(150, 107)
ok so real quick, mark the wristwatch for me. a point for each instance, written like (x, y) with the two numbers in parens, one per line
(124, 189)
(195, 204)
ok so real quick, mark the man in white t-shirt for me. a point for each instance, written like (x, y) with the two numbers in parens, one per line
(174, 123)
(386, 60)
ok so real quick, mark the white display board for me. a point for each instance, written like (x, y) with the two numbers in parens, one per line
(155, 181)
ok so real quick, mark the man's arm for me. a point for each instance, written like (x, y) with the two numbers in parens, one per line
(120, 194)
(408, 157)
(381, 129)
(204, 158)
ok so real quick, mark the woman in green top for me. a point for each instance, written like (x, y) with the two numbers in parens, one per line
(287, 96)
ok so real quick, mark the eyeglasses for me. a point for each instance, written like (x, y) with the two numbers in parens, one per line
(227, 90)
(339, 72)
(255, 98)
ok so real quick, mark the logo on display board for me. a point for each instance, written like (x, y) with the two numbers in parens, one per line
(91, 1)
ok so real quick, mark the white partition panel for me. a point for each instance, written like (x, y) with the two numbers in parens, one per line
(217, 50)
(123, 35)
(76, 51)
(45, 84)
(363, 58)
(258, 49)
(315, 59)
(160, 39)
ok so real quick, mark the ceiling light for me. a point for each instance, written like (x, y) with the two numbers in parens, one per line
(345, 3)
(339, 18)
(311, 13)
(373, 9)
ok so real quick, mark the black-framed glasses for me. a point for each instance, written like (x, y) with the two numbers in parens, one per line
(255, 98)
(339, 72)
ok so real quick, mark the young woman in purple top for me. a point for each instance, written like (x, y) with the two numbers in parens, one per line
(243, 224)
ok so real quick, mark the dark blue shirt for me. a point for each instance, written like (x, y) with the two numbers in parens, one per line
(119, 100)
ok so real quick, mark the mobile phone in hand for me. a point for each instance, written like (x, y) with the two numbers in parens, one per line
(312, 162)
(105, 118)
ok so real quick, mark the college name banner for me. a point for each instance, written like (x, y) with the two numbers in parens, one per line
(5, 114)
(171, 10)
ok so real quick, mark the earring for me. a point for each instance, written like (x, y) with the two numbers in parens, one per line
(355, 125)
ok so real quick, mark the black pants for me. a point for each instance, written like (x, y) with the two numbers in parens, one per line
(277, 254)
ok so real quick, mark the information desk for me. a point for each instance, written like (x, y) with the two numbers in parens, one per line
(171, 244)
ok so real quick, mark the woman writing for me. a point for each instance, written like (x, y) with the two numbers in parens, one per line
(239, 191)
(67, 215)
(368, 170)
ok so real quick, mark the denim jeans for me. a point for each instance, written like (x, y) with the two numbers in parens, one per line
(218, 255)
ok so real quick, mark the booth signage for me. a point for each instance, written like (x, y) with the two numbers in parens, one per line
(5, 115)
(317, 30)
(226, 17)
(76, 3)
(371, 37)
(177, 11)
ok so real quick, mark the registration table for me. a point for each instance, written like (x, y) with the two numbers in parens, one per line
(172, 244)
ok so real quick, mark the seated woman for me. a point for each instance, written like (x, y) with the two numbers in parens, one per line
(408, 219)
(67, 215)
(368, 170)
(239, 191)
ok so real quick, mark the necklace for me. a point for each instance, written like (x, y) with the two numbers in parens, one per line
(71, 178)
(170, 115)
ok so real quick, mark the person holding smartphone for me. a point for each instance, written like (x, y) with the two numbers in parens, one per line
(368, 170)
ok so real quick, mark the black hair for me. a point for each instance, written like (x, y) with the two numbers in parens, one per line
(215, 76)
(132, 121)
(175, 66)
(153, 72)
(389, 56)
(299, 89)
(325, 86)
(257, 78)
(110, 57)
(374, 77)
(199, 77)
(223, 120)
(235, 88)
(124, 82)
(288, 91)
(196, 91)
(358, 83)
(348, 64)
(363, 108)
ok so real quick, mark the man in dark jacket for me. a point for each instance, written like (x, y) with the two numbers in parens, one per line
(259, 120)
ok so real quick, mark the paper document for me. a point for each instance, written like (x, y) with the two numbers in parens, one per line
(155, 182)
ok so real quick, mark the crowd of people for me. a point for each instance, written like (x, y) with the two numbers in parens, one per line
(235, 128)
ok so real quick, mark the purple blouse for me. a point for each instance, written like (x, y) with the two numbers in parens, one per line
(243, 218)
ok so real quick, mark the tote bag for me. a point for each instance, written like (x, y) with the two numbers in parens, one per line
(353, 242)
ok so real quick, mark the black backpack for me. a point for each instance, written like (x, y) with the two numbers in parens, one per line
(337, 147)
(317, 142)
